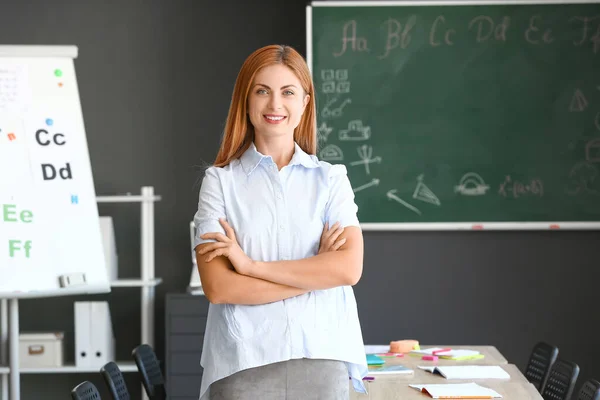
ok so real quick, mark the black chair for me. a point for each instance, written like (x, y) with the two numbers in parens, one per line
(590, 390)
(114, 381)
(149, 367)
(561, 380)
(542, 358)
(85, 391)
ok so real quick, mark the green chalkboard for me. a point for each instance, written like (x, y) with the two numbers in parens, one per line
(461, 114)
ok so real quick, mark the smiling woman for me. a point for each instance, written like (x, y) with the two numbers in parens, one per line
(276, 112)
(279, 247)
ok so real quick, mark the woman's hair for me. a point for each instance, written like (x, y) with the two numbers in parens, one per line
(239, 132)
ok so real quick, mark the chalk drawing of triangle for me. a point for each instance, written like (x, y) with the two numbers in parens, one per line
(423, 193)
(578, 102)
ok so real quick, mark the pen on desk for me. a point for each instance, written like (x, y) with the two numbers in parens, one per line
(367, 378)
(436, 352)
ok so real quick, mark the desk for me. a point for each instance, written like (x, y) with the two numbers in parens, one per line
(395, 387)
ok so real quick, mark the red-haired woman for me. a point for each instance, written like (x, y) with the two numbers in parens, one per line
(278, 246)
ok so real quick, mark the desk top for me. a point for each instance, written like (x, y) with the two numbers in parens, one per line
(395, 387)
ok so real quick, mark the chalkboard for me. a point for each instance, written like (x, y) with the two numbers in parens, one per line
(50, 238)
(461, 115)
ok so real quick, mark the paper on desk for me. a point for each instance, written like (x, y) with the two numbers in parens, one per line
(376, 348)
(457, 391)
(452, 354)
(468, 371)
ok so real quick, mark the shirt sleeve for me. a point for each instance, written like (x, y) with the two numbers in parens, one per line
(211, 207)
(341, 206)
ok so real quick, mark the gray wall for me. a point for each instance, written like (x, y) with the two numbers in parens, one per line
(155, 79)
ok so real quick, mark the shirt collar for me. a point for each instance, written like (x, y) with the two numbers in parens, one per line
(252, 157)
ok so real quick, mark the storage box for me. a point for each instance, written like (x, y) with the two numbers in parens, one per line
(41, 349)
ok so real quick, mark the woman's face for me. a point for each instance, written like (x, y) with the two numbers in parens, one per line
(276, 101)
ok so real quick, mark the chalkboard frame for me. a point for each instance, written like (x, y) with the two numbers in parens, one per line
(448, 226)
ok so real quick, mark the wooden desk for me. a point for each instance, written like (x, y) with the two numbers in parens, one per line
(395, 387)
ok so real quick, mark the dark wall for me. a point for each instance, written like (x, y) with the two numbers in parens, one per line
(155, 80)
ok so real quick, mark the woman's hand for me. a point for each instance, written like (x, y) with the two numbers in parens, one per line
(227, 246)
(329, 238)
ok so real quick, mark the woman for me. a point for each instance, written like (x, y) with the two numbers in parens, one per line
(283, 322)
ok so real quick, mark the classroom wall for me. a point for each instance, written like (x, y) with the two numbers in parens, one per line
(155, 80)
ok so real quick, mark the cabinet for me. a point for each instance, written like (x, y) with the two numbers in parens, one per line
(185, 324)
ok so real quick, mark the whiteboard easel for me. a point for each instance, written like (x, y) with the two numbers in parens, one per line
(50, 237)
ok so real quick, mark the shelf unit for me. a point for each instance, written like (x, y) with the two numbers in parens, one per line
(9, 318)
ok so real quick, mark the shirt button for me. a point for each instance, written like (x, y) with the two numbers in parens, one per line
(281, 228)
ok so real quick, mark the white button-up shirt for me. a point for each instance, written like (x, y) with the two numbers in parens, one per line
(279, 215)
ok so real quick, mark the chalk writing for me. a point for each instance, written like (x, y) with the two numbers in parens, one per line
(518, 189)
(585, 31)
(532, 34)
(448, 34)
(398, 34)
(349, 37)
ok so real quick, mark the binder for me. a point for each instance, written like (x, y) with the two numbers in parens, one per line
(94, 337)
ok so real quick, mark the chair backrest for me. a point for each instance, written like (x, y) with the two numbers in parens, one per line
(114, 381)
(590, 390)
(149, 367)
(561, 380)
(85, 391)
(543, 356)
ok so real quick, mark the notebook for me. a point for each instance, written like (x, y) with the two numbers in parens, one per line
(468, 371)
(390, 369)
(372, 359)
(457, 391)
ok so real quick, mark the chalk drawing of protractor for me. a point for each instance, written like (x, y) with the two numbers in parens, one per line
(331, 152)
(471, 184)
(423, 193)
(356, 131)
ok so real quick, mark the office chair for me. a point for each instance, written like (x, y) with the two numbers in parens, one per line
(114, 381)
(561, 380)
(85, 391)
(152, 378)
(590, 390)
(543, 356)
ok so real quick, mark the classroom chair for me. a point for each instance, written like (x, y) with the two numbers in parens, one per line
(149, 368)
(561, 380)
(114, 381)
(85, 391)
(543, 356)
(590, 390)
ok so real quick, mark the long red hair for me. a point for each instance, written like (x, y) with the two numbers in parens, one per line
(239, 132)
